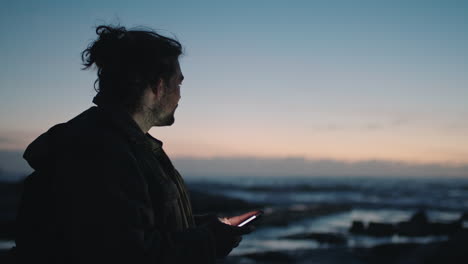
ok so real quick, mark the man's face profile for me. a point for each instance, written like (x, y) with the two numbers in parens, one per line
(164, 108)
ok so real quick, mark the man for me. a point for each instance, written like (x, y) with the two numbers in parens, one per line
(103, 189)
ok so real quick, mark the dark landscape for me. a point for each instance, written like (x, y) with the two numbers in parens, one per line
(302, 230)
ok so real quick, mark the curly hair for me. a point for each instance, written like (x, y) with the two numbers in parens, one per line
(128, 61)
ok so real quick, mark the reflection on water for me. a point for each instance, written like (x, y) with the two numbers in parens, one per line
(272, 238)
(6, 244)
(252, 245)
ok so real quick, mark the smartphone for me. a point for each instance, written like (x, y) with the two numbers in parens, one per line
(250, 219)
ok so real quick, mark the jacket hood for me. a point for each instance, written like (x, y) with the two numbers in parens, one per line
(40, 153)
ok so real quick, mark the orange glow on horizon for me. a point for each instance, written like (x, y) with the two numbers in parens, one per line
(409, 146)
(348, 146)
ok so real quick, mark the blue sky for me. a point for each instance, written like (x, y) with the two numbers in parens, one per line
(342, 80)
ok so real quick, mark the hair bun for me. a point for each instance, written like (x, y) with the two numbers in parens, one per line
(106, 51)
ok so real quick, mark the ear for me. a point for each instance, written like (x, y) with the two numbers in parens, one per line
(158, 89)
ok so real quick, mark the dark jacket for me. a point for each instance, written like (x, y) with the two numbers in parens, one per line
(105, 192)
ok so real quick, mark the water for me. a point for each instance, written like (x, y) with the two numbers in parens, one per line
(446, 194)
(6, 244)
(386, 200)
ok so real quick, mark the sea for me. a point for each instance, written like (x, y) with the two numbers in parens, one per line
(366, 199)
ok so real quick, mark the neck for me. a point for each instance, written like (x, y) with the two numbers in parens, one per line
(143, 121)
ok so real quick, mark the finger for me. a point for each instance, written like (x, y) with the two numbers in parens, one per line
(235, 220)
(238, 219)
(224, 220)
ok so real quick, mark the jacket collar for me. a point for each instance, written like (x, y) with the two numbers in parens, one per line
(122, 120)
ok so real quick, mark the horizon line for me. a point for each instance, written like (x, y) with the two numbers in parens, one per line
(445, 163)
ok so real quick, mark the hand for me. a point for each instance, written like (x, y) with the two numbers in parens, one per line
(226, 237)
(236, 220)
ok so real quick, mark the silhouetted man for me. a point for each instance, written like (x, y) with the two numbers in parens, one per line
(103, 189)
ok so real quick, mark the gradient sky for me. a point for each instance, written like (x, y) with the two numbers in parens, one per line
(344, 80)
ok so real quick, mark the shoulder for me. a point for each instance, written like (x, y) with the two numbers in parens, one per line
(95, 150)
(91, 129)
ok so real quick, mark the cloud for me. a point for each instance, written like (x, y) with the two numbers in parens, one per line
(372, 126)
(361, 126)
(399, 122)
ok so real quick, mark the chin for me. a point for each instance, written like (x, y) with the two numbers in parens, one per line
(166, 122)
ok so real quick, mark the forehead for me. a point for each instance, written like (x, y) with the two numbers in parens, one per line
(178, 72)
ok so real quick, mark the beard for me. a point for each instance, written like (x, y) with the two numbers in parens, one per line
(161, 116)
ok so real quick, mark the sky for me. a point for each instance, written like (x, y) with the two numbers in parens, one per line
(347, 81)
